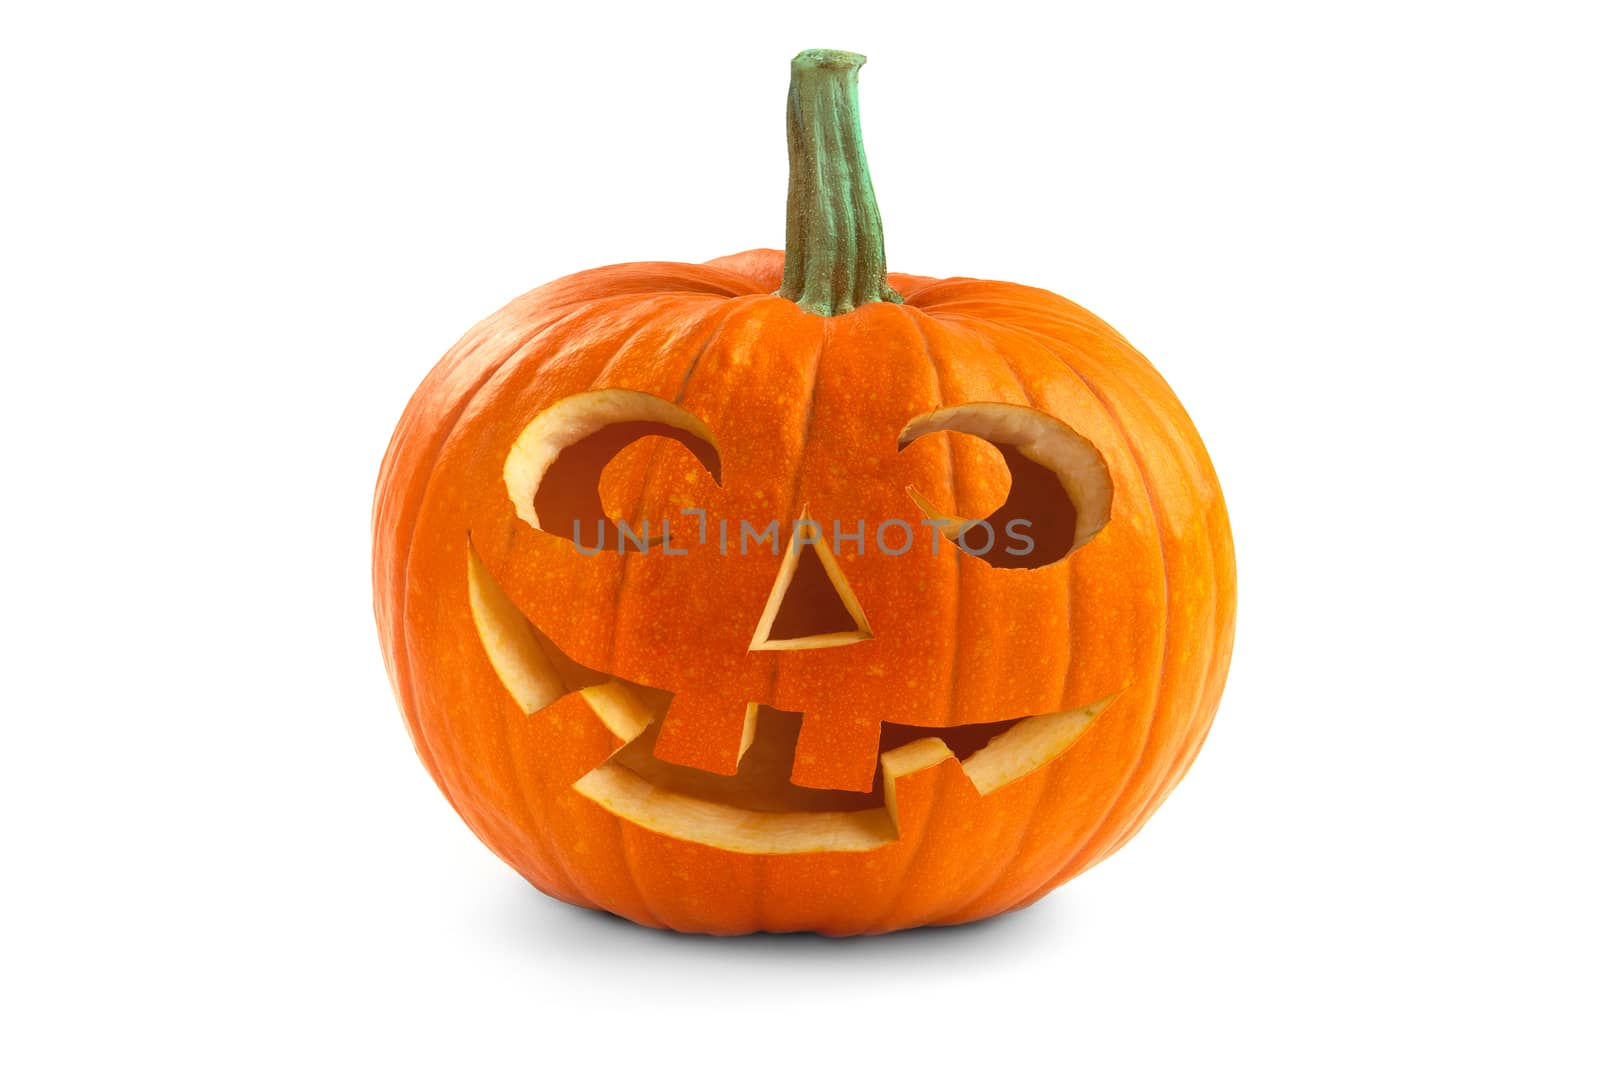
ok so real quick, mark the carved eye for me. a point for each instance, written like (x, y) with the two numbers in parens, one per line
(553, 470)
(1060, 487)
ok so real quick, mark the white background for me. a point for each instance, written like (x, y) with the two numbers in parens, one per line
(1359, 239)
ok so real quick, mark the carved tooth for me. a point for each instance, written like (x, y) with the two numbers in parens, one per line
(706, 732)
(837, 751)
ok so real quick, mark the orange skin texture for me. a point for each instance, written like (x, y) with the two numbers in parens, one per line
(806, 412)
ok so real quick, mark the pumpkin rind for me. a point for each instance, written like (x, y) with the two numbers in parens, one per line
(1144, 609)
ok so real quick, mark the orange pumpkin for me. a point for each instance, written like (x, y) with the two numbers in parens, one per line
(874, 602)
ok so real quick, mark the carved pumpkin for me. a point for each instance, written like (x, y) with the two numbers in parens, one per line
(686, 599)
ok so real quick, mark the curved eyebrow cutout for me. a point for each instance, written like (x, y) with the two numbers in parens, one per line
(552, 472)
(1060, 484)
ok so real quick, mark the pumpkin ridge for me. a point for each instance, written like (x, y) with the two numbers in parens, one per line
(1010, 362)
(952, 688)
(1091, 838)
(470, 398)
(761, 268)
(968, 332)
(530, 808)
(1038, 340)
(908, 867)
(626, 845)
(953, 349)
(644, 490)
(396, 612)
(930, 820)
(1180, 752)
(408, 529)
(1179, 443)
(694, 363)
(1007, 296)
(510, 710)
(480, 337)
(1003, 867)
(635, 280)
(622, 829)
(800, 463)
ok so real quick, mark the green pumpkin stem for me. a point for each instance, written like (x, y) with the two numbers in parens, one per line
(833, 250)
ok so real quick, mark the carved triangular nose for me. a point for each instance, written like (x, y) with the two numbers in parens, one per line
(811, 604)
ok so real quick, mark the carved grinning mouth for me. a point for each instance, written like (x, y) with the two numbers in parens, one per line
(758, 809)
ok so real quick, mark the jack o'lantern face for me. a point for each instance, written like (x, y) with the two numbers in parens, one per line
(715, 756)
(873, 731)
